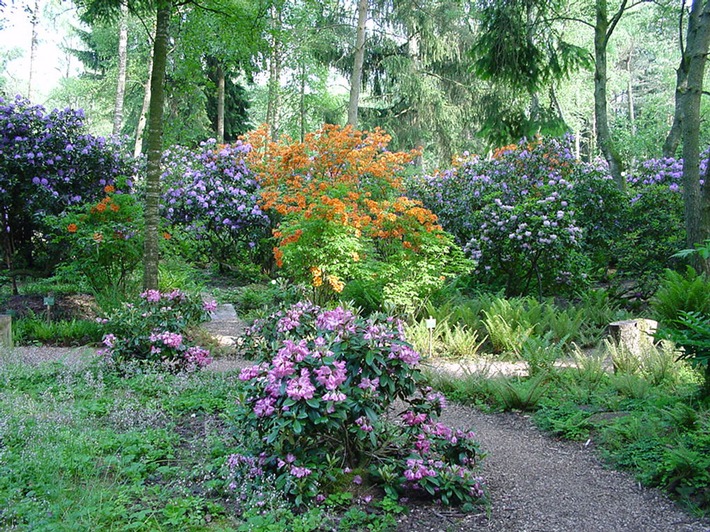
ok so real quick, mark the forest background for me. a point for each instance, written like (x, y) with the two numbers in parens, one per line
(450, 76)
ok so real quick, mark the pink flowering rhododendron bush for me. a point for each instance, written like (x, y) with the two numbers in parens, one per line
(318, 399)
(155, 331)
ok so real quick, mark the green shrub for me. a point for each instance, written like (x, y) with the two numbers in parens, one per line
(35, 330)
(104, 240)
(317, 401)
(691, 332)
(155, 331)
(687, 291)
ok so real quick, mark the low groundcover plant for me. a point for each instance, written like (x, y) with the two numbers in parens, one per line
(154, 330)
(319, 400)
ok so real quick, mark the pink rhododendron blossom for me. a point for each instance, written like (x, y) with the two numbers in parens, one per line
(337, 319)
(282, 367)
(152, 296)
(109, 340)
(209, 306)
(300, 472)
(334, 396)
(369, 384)
(417, 470)
(411, 418)
(295, 351)
(170, 339)
(264, 407)
(404, 353)
(250, 373)
(198, 357)
(331, 378)
(364, 424)
(301, 387)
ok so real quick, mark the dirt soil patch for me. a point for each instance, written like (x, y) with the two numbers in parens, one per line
(66, 307)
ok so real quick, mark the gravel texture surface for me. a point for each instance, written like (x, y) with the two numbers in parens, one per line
(536, 483)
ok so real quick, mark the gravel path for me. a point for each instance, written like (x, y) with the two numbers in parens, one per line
(536, 483)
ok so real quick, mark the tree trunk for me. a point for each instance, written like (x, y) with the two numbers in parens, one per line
(155, 146)
(220, 104)
(356, 78)
(274, 73)
(140, 128)
(630, 94)
(122, 62)
(34, 41)
(696, 206)
(670, 146)
(602, 31)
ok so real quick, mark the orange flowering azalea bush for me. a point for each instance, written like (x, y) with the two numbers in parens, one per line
(342, 219)
(104, 240)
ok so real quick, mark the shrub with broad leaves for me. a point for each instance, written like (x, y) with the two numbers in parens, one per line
(342, 216)
(213, 196)
(654, 223)
(103, 240)
(155, 331)
(48, 162)
(319, 398)
(515, 214)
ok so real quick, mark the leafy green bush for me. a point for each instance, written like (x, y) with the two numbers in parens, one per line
(687, 291)
(317, 400)
(154, 331)
(691, 332)
(682, 305)
(103, 240)
(517, 215)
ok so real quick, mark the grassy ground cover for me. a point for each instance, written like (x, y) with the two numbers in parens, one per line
(84, 449)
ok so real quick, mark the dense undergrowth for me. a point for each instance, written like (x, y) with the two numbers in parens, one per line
(83, 448)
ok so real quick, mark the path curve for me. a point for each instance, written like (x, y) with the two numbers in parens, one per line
(539, 484)
(536, 483)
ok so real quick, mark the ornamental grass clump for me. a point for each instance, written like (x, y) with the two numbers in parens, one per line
(318, 398)
(155, 331)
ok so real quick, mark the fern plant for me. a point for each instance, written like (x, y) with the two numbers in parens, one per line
(518, 393)
(461, 342)
(691, 332)
(681, 292)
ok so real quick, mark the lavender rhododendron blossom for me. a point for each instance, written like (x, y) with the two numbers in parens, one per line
(214, 196)
(49, 162)
(515, 215)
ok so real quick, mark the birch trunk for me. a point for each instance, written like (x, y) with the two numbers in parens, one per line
(122, 63)
(220, 103)
(602, 32)
(356, 78)
(142, 118)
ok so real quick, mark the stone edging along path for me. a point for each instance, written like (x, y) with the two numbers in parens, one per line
(536, 483)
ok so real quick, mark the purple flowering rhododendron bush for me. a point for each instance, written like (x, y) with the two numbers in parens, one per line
(48, 162)
(655, 221)
(213, 196)
(155, 331)
(518, 215)
(319, 400)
